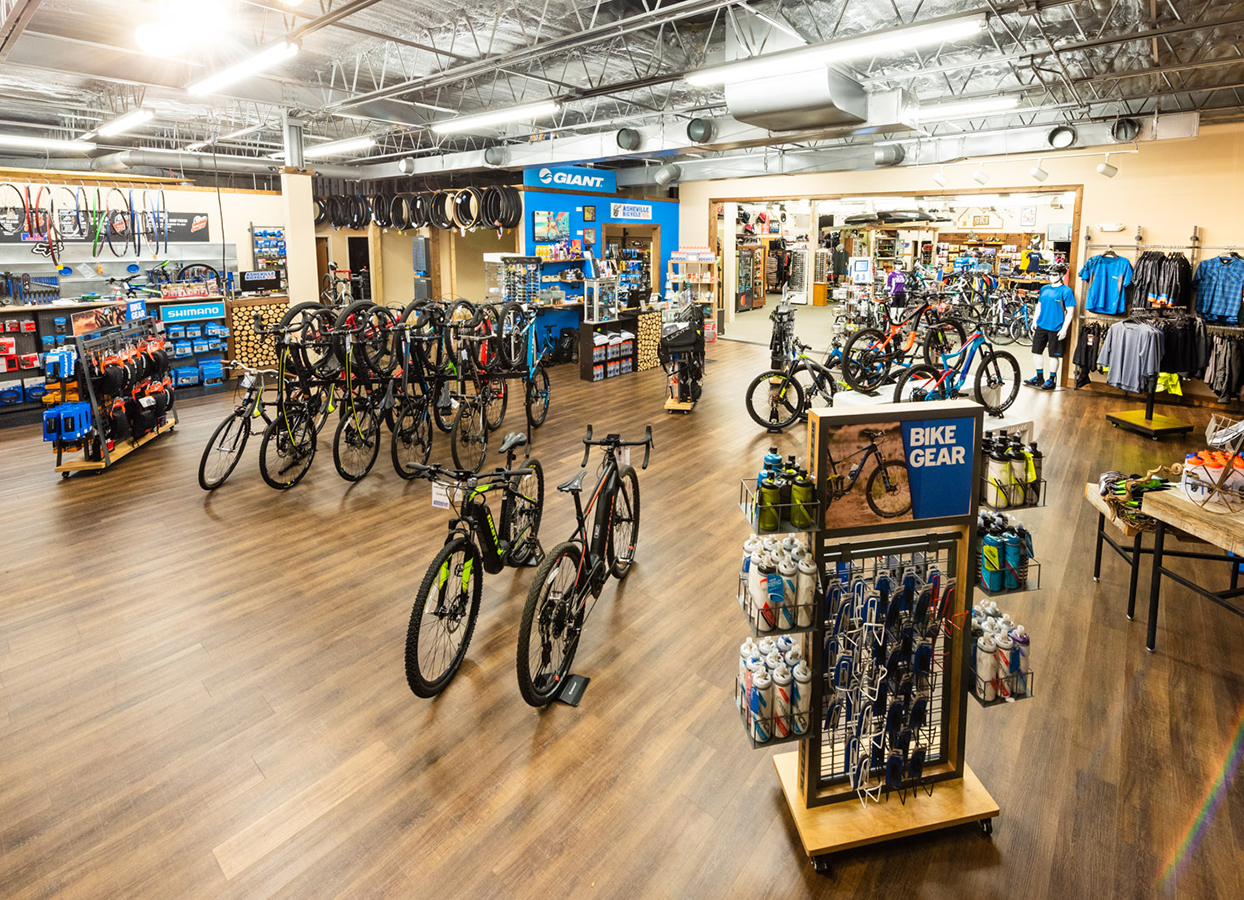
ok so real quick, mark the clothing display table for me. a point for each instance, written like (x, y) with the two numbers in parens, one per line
(1172, 510)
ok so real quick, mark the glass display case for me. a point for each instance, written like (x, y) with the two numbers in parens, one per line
(600, 299)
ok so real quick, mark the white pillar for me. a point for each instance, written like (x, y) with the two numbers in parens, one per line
(300, 270)
(729, 257)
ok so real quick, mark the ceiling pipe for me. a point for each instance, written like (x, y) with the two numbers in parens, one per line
(178, 160)
(71, 165)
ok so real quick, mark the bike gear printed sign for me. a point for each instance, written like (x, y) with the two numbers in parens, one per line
(887, 467)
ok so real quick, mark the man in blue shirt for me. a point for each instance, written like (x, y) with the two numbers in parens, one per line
(1056, 307)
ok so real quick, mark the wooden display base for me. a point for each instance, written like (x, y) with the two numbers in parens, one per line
(90, 465)
(842, 826)
(1157, 427)
(672, 405)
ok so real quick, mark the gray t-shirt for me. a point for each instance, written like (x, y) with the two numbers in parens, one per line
(1132, 352)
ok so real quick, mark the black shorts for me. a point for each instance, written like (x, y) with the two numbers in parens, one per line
(1043, 338)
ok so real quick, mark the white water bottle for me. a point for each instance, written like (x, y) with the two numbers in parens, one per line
(986, 668)
(763, 609)
(805, 593)
(762, 706)
(786, 615)
(1006, 648)
(781, 702)
(802, 698)
(747, 652)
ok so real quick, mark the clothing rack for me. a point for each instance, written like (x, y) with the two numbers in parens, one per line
(1144, 421)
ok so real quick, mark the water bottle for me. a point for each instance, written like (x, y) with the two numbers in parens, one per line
(772, 462)
(802, 677)
(1032, 490)
(986, 668)
(991, 562)
(787, 612)
(747, 653)
(762, 706)
(1010, 561)
(1020, 637)
(762, 604)
(768, 514)
(781, 701)
(805, 593)
(802, 498)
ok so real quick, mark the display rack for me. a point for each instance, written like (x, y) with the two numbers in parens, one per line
(268, 246)
(845, 755)
(692, 276)
(1146, 422)
(512, 279)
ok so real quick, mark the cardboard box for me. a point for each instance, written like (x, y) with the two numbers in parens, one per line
(8, 346)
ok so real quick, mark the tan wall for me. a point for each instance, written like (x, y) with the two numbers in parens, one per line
(240, 209)
(398, 269)
(469, 253)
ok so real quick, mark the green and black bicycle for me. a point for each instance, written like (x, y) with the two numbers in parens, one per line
(447, 603)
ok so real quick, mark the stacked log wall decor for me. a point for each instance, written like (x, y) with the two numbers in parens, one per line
(647, 338)
(247, 347)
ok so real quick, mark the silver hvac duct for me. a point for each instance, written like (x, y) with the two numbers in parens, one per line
(127, 160)
(68, 165)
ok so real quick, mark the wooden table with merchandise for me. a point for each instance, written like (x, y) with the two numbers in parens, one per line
(1171, 510)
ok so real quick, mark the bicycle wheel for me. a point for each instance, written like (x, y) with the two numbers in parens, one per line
(537, 396)
(442, 416)
(223, 450)
(774, 400)
(1021, 330)
(942, 339)
(443, 617)
(468, 438)
(549, 632)
(997, 382)
(624, 524)
(496, 397)
(919, 383)
(888, 492)
(865, 364)
(412, 437)
(513, 336)
(356, 443)
(520, 517)
(288, 448)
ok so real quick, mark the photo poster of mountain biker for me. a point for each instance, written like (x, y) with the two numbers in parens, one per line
(884, 469)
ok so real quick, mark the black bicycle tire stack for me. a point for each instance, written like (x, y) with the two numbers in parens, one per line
(497, 207)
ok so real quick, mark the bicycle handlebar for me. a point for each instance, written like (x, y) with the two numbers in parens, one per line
(250, 370)
(614, 441)
(436, 470)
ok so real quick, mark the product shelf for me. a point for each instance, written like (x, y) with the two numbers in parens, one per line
(773, 619)
(754, 725)
(1012, 496)
(806, 515)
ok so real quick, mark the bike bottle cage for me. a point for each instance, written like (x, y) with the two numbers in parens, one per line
(574, 485)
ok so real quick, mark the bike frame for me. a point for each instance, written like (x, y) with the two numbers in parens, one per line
(868, 451)
(596, 550)
(963, 361)
(474, 519)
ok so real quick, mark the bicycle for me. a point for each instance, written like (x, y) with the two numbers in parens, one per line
(334, 289)
(886, 491)
(556, 608)
(777, 399)
(446, 606)
(870, 355)
(224, 448)
(998, 369)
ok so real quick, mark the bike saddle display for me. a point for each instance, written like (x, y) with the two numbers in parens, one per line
(513, 439)
(871, 435)
(574, 485)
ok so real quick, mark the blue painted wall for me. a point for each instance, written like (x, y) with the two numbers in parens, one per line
(664, 214)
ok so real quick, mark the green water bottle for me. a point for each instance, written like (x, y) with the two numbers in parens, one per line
(801, 498)
(768, 514)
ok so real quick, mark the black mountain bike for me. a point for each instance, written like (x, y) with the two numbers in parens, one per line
(779, 397)
(556, 606)
(224, 448)
(887, 490)
(447, 604)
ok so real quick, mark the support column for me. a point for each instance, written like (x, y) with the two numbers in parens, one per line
(300, 271)
(375, 263)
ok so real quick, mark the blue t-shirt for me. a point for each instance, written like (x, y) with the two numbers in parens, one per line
(1052, 303)
(1107, 277)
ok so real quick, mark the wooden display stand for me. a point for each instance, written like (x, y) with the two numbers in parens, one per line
(825, 807)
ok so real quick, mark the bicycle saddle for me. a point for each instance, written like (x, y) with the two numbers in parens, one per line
(870, 435)
(574, 485)
(513, 439)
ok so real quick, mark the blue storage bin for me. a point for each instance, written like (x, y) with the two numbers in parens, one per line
(211, 371)
(51, 424)
(185, 375)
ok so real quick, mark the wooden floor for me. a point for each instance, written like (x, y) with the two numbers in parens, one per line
(203, 696)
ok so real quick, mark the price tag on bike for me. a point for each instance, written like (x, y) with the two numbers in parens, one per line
(625, 456)
(440, 495)
(247, 381)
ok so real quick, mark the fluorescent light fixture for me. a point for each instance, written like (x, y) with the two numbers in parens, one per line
(888, 43)
(979, 176)
(1039, 173)
(338, 148)
(1104, 168)
(243, 132)
(127, 122)
(940, 177)
(965, 108)
(22, 142)
(265, 59)
(777, 23)
(500, 117)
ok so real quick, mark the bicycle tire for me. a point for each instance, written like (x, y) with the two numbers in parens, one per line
(356, 443)
(513, 349)
(290, 440)
(468, 437)
(442, 416)
(10, 223)
(774, 400)
(991, 375)
(1021, 331)
(538, 394)
(551, 624)
(457, 618)
(908, 390)
(412, 437)
(895, 473)
(348, 319)
(620, 563)
(496, 401)
(230, 444)
(942, 339)
(521, 516)
(870, 370)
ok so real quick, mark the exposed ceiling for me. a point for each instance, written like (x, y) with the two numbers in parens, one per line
(390, 68)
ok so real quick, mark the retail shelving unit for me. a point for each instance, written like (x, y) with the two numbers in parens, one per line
(824, 780)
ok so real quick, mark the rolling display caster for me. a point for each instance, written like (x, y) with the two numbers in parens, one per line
(986, 827)
(820, 864)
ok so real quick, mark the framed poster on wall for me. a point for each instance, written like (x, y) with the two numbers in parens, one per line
(551, 226)
(589, 214)
(589, 237)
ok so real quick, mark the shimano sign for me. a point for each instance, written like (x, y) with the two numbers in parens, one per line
(571, 178)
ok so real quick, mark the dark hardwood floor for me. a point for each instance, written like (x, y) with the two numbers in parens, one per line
(203, 696)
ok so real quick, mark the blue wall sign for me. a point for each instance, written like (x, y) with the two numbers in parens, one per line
(572, 178)
(135, 309)
(939, 466)
(190, 312)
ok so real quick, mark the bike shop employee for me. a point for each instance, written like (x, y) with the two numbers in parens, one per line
(1056, 307)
